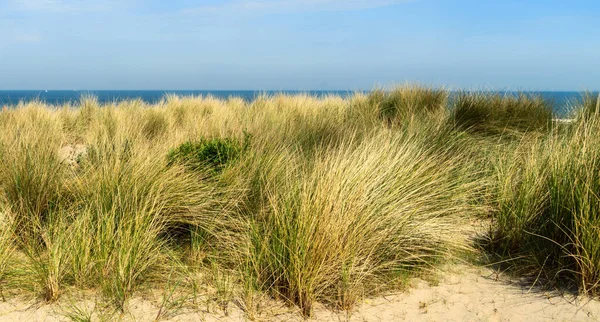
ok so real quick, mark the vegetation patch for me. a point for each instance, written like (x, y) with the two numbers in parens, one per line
(495, 113)
(338, 198)
(401, 103)
(589, 106)
(208, 154)
(546, 222)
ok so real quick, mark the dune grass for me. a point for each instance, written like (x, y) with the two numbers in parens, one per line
(548, 205)
(344, 226)
(299, 198)
(496, 113)
(588, 107)
(408, 101)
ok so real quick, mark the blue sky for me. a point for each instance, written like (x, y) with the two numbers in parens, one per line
(299, 44)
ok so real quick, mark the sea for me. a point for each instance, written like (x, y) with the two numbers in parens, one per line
(563, 101)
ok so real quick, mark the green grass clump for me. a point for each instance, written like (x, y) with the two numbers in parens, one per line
(212, 154)
(494, 113)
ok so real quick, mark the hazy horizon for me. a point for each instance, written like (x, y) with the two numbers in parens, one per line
(298, 44)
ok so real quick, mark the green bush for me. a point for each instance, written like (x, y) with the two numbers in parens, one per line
(208, 154)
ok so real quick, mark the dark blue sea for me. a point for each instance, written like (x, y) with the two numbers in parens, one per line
(562, 100)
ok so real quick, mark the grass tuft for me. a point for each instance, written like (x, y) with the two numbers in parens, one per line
(350, 219)
(403, 103)
(204, 154)
(495, 113)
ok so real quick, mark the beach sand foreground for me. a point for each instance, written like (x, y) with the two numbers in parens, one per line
(463, 293)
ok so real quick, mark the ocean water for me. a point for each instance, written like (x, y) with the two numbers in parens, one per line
(60, 97)
(562, 100)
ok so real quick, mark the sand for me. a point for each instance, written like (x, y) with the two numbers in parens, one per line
(476, 294)
(462, 293)
(69, 154)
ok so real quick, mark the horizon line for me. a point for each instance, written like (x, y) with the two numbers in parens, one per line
(290, 90)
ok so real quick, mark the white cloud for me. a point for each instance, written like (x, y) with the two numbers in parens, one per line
(291, 6)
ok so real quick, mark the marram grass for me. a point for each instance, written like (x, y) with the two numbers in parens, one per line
(300, 198)
(548, 207)
(334, 229)
(495, 113)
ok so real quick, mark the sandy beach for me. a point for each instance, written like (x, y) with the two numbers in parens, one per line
(463, 293)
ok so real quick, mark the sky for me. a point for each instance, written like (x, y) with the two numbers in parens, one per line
(299, 44)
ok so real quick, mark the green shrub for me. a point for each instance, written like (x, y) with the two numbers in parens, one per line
(208, 154)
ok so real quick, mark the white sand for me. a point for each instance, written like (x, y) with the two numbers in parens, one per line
(464, 293)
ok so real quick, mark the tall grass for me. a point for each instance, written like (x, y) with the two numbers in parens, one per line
(407, 101)
(588, 106)
(106, 222)
(548, 206)
(6, 248)
(301, 198)
(495, 113)
(351, 221)
(125, 205)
